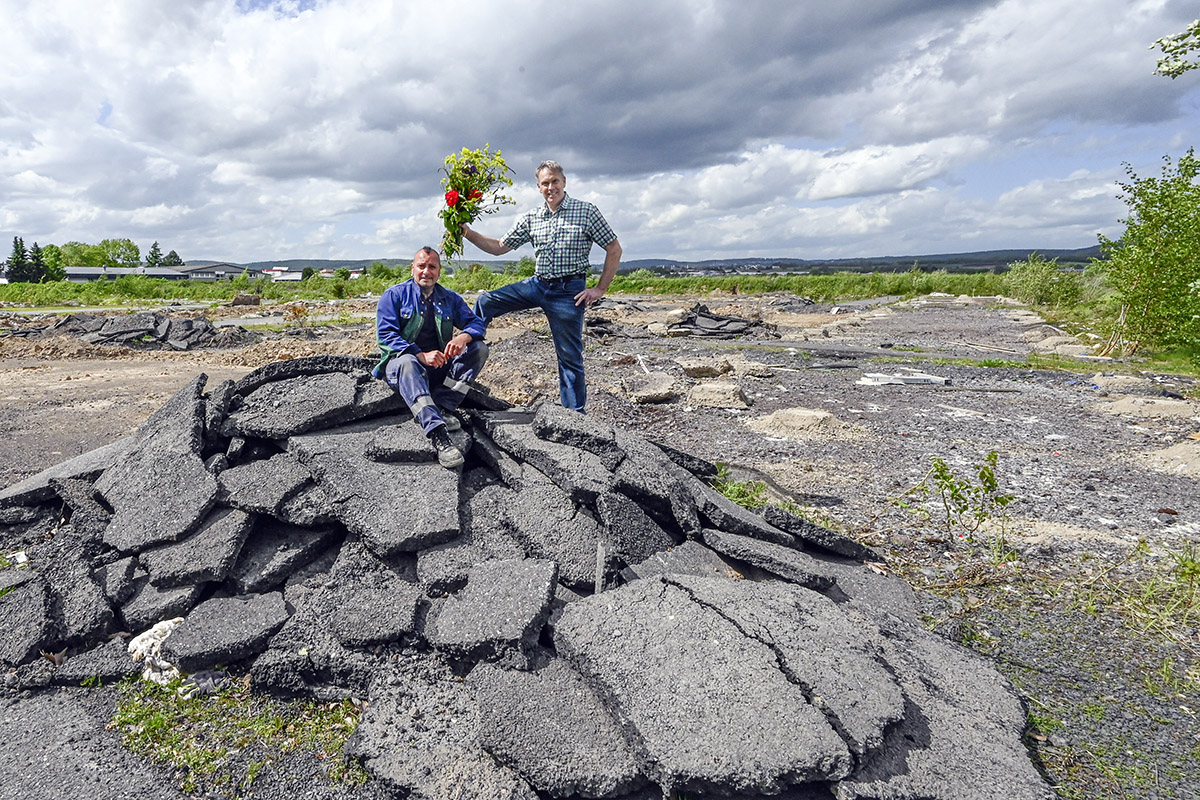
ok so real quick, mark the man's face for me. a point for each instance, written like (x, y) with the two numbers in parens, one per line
(551, 185)
(426, 269)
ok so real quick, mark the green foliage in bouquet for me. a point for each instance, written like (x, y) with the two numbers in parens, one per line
(473, 183)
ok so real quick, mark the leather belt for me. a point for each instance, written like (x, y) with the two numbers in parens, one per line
(563, 279)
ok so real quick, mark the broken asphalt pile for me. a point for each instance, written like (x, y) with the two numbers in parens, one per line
(143, 329)
(573, 613)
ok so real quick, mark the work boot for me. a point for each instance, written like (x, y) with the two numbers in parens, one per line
(453, 421)
(448, 455)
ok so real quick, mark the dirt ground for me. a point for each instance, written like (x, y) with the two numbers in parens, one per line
(1101, 461)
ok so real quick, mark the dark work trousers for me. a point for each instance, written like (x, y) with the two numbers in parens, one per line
(429, 391)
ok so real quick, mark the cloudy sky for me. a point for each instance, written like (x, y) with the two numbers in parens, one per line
(250, 130)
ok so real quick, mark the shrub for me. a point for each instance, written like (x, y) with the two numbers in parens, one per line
(1155, 265)
(1041, 282)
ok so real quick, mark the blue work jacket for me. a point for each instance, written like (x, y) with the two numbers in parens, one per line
(398, 320)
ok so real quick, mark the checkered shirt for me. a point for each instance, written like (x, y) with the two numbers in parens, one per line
(561, 239)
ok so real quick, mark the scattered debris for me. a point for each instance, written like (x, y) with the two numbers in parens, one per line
(145, 329)
(800, 424)
(705, 367)
(653, 387)
(699, 321)
(147, 648)
(909, 376)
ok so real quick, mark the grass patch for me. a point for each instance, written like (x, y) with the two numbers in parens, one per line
(1165, 601)
(747, 494)
(221, 742)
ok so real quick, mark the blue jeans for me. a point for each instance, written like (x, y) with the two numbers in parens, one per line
(413, 380)
(557, 299)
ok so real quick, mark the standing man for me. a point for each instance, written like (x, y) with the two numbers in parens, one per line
(562, 232)
(414, 324)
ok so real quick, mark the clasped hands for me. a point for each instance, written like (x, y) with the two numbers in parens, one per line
(438, 358)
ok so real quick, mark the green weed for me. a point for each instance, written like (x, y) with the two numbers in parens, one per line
(966, 502)
(1044, 723)
(202, 736)
(747, 494)
(1166, 680)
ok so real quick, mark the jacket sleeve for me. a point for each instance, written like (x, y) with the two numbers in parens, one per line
(388, 326)
(465, 319)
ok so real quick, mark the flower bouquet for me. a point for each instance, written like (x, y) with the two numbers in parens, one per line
(473, 183)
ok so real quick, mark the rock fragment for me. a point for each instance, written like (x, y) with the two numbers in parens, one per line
(206, 555)
(420, 737)
(740, 724)
(500, 612)
(25, 617)
(816, 535)
(551, 728)
(792, 565)
(369, 497)
(224, 630)
(263, 486)
(718, 394)
(274, 552)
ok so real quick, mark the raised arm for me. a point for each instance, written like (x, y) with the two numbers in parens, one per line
(487, 244)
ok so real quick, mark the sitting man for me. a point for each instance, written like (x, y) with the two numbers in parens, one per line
(413, 325)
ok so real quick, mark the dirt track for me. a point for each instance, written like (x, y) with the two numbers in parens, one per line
(1096, 463)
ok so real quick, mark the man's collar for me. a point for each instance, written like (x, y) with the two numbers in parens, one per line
(546, 212)
(421, 292)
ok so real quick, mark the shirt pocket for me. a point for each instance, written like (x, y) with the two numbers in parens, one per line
(573, 234)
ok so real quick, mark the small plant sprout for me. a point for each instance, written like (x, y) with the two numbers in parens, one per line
(966, 502)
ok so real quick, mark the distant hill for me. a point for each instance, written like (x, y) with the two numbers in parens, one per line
(298, 264)
(980, 261)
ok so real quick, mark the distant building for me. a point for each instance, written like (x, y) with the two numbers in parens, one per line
(332, 273)
(282, 274)
(219, 272)
(87, 274)
(285, 274)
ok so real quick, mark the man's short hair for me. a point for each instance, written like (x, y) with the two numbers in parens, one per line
(550, 165)
(428, 251)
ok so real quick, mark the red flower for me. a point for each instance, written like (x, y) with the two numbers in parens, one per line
(475, 195)
(451, 198)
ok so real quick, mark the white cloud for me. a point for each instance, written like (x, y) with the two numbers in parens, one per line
(242, 130)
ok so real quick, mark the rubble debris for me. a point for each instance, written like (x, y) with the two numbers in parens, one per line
(705, 367)
(718, 394)
(147, 330)
(655, 387)
(909, 376)
(572, 613)
(699, 321)
(146, 647)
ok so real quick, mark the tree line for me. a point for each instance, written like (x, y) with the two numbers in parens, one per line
(41, 264)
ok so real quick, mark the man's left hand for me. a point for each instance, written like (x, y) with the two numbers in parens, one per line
(589, 296)
(457, 345)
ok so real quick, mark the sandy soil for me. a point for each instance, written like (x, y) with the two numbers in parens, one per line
(1101, 459)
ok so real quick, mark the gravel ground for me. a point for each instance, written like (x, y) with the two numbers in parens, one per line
(1077, 588)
